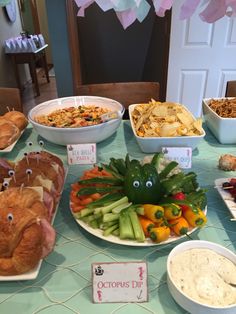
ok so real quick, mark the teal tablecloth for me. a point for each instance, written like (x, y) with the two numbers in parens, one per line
(64, 281)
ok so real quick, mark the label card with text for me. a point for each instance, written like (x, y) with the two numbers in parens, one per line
(83, 154)
(182, 155)
(119, 282)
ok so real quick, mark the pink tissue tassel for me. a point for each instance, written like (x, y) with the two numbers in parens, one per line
(214, 10)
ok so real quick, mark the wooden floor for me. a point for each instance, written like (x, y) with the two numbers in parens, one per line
(47, 91)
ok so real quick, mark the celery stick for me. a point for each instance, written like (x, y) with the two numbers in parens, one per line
(139, 209)
(97, 215)
(137, 228)
(110, 217)
(105, 200)
(116, 232)
(94, 224)
(86, 212)
(105, 225)
(85, 219)
(92, 217)
(108, 208)
(98, 210)
(77, 215)
(110, 230)
(119, 208)
(126, 230)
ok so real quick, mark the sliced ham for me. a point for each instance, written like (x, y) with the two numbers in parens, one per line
(49, 237)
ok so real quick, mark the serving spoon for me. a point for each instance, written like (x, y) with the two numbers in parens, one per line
(110, 116)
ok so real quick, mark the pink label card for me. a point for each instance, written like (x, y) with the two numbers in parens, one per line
(182, 155)
(119, 282)
(83, 154)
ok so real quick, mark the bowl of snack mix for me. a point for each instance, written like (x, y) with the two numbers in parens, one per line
(164, 124)
(220, 117)
(76, 119)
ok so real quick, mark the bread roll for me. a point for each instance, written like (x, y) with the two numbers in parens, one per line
(18, 118)
(9, 133)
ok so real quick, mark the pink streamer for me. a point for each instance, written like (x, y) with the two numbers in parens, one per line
(161, 6)
(214, 10)
(81, 3)
(188, 8)
(83, 7)
(126, 18)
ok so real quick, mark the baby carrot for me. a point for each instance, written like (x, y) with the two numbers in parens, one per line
(95, 196)
(76, 208)
(86, 201)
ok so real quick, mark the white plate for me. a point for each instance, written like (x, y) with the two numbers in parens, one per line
(9, 148)
(227, 198)
(30, 275)
(113, 239)
(26, 276)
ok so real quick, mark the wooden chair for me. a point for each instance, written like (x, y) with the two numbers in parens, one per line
(10, 99)
(230, 89)
(126, 93)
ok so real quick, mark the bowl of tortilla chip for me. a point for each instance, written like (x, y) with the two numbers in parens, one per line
(164, 124)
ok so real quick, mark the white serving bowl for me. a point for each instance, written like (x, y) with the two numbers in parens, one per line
(222, 128)
(88, 134)
(155, 144)
(181, 298)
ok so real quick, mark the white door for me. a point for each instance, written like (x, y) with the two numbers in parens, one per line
(202, 59)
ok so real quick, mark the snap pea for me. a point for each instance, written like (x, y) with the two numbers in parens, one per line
(164, 173)
(93, 189)
(105, 180)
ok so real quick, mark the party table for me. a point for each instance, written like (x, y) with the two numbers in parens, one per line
(63, 284)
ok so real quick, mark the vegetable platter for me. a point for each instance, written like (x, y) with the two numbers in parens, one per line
(138, 203)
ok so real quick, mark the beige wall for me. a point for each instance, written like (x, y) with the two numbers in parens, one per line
(8, 30)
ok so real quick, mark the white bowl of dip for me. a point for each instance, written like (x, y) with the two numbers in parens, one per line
(199, 274)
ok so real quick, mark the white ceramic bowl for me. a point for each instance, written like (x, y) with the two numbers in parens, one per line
(182, 299)
(222, 128)
(155, 144)
(89, 134)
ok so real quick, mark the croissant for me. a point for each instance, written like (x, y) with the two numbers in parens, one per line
(8, 134)
(17, 118)
(26, 236)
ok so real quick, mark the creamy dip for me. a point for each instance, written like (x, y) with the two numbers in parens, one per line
(205, 276)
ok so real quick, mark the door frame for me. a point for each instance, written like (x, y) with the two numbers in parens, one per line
(33, 13)
(73, 41)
